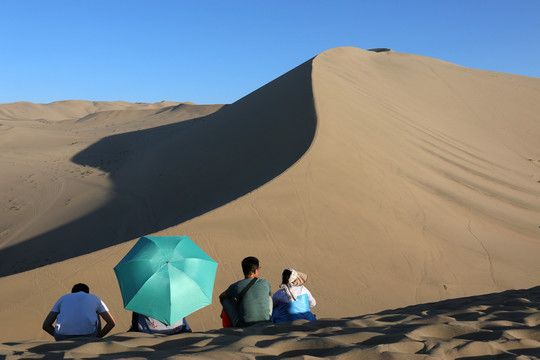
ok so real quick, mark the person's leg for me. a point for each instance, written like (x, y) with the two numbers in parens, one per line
(60, 337)
(231, 308)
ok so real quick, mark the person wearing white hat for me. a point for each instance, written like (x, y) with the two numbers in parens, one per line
(293, 300)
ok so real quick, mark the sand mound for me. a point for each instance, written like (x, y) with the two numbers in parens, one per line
(500, 325)
(70, 109)
(391, 179)
(56, 187)
(156, 178)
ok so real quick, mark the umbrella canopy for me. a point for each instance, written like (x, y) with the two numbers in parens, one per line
(166, 277)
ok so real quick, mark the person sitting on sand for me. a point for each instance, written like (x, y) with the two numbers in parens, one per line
(293, 300)
(247, 301)
(77, 315)
(146, 324)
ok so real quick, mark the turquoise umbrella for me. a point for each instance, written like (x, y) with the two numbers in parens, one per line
(166, 277)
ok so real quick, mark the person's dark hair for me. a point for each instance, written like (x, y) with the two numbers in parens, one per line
(285, 276)
(249, 265)
(80, 287)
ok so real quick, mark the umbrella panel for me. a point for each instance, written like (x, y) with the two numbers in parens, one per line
(166, 278)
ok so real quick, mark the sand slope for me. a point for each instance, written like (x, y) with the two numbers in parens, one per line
(499, 325)
(158, 177)
(391, 179)
(56, 192)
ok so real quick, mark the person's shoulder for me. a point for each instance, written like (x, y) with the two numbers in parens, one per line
(92, 297)
(237, 283)
(234, 286)
(300, 289)
(264, 284)
(280, 296)
(89, 295)
(64, 297)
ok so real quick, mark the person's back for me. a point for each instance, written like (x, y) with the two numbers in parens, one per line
(255, 304)
(293, 300)
(286, 310)
(251, 306)
(77, 314)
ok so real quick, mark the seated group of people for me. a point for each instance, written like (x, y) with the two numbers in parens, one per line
(246, 302)
(250, 301)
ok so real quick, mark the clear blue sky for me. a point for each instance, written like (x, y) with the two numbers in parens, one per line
(218, 51)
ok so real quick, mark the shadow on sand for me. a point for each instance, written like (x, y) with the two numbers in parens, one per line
(169, 174)
(413, 330)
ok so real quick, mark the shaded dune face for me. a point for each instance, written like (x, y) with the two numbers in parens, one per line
(166, 175)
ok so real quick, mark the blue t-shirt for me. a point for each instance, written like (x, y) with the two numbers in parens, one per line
(78, 313)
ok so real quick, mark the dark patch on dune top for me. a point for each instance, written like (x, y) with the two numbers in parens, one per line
(378, 50)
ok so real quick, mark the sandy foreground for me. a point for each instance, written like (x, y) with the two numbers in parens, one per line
(498, 326)
(390, 179)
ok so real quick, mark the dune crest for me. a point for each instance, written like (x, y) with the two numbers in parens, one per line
(390, 179)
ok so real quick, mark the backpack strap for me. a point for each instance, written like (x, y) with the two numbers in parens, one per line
(245, 290)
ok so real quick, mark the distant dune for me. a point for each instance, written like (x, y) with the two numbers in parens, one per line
(70, 109)
(391, 179)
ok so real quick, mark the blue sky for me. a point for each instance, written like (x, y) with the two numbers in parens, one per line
(219, 51)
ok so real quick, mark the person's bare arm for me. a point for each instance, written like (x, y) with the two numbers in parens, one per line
(109, 323)
(49, 321)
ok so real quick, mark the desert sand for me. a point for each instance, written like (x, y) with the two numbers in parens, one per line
(493, 326)
(395, 181)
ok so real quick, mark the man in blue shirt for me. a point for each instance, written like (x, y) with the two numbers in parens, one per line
(77, 315)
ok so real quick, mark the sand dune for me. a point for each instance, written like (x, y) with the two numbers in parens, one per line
(60, 181)
(156, 178)
(499, 325)
(391, 179)
(70, 109)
